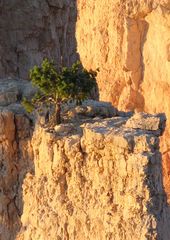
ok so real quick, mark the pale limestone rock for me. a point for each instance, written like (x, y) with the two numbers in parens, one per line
(99, 109)
(91, 108)
(64, 129)
(127, 39)
(102, 184)
(147, 121)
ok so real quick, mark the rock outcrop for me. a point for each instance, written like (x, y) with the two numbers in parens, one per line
(128, 40)
(16, 156)
(102, 181)
(95, 178)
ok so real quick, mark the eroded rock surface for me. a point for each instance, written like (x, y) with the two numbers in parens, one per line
(102, 181)
(31, 30)
(94, 178)
(16, 157)
(129, 41)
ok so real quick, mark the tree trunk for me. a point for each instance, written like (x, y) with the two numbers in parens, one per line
(58, 113)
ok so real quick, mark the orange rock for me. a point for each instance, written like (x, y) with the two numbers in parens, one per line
(129, 42)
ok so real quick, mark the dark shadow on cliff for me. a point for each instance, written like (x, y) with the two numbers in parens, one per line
(24, 163)
(31, 30)
(145, 28)
(157, 206)
(143, 40)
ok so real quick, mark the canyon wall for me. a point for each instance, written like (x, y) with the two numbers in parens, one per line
(130, 42)
(93, 178)
(100, 181)
(31, 30)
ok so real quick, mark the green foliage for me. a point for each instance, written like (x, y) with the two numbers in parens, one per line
(44, 77)
(70, 83)
(77, 82)
(29, 107)
(74, 83)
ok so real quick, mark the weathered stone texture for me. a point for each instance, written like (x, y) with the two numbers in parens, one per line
(129, 41)
(15, 157)
(105, 183)
(93, 179)
(31, 30)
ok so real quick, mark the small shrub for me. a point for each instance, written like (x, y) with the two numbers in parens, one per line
(57, 87)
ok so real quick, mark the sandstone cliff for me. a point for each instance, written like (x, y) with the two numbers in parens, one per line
(93, 179)
(129, 41)
(15, 155)
(102, 183)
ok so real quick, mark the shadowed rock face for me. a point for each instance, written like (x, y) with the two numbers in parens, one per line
(93, 179)
(15, 154)
(32, 30)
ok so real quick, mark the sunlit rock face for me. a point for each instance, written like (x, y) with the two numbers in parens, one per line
(129, 41)
(96, 177)
(102, 181)
(31, 30)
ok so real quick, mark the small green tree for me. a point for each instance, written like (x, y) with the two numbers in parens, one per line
(74, 83)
